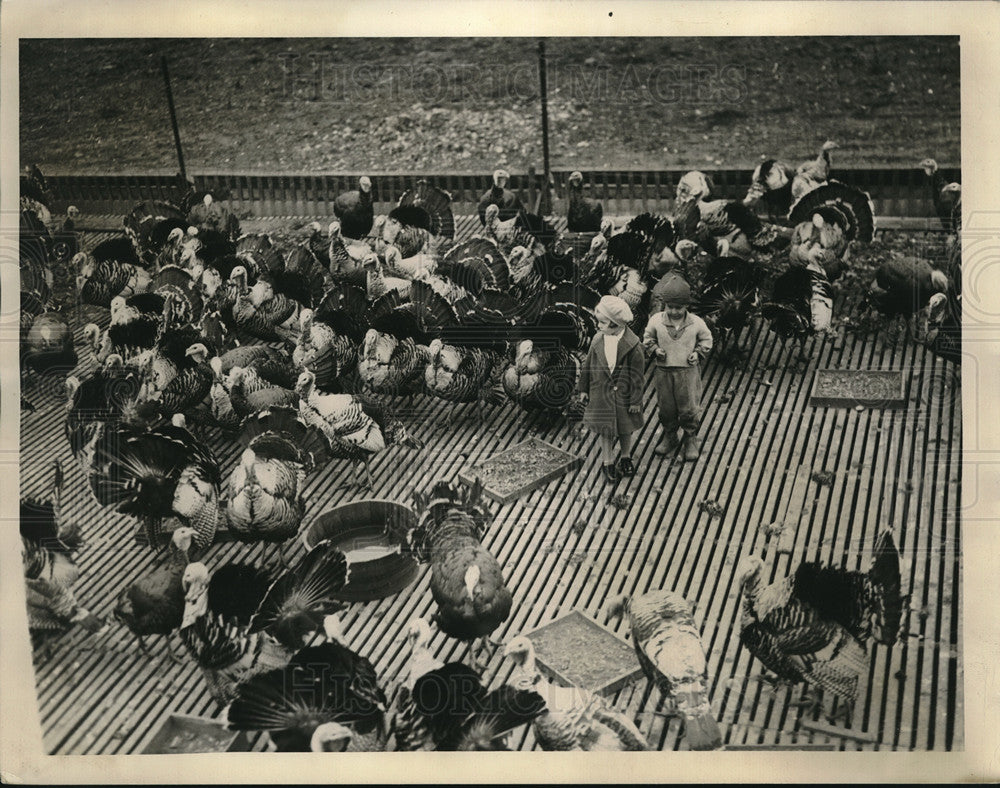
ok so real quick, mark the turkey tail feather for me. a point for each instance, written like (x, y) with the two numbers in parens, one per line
(886, 585)
(855, 204)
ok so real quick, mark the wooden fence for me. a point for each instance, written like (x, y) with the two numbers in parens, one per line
(895, 192)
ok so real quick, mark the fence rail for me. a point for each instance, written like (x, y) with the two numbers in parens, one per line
(895, 191)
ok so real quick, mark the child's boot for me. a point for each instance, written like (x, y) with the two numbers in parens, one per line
(669, 442)
(692, 446)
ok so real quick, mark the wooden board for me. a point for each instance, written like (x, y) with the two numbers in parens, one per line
(520, 469)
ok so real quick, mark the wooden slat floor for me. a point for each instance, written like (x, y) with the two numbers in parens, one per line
(566, 547)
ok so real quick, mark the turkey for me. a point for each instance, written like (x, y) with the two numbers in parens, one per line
(771, 185)
(476, 265)
(800, 305)
(258, 253)
(330, 337)
(813, 626)
(265, 490)
(547, 352)
(99, 281)
(262, 313)
(466, 580)
(672, 656)
(250, 393)
(812, 174)
(239, 620)
(394, 352)
(464, 373)
(583, 214)
(212, 215)
(153, 604)
(826, 221)
(427, 201)
(96, 405)
(165, 477)
(190, 385)
(148, 226)
(357, 429)
(48, 541)
(730, 297)
(452, 711)
(711, 221)
(137, 323)
(303, 278)
(48, 346)
(940, 327)
(945, 196)
(355, 211)
(903, 286)
(502, 197)
(513, 233)
(574, 718)
(321, 684)
(347, 258)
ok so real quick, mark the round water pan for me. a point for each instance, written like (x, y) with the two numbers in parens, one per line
(372, 533)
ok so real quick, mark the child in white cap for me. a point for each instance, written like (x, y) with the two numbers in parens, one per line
(611, 383)
(679, 340)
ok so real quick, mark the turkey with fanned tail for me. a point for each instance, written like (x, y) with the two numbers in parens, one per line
(813, 625)
(321, 684)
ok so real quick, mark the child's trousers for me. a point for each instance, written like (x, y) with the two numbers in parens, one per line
(678, 395)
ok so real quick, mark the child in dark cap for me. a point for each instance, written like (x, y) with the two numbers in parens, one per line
(679, 340)
(612, 378)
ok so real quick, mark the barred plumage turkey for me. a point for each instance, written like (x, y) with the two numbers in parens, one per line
(260, 312)
(813, 626)
(265, 490)
(240, 620)
(357, 428)
(394, 352)
(467, 581)
(800, 305)
(48, 542)
(355, 211)
(771, 186)
(346, 258)
(827, 220)
(250, 392)
(329, 339)
(98, 282)
(547, 351)
(476, 265)
(459, 373)
(165, 477)
(321, 684)
(574, 718)
(672, 656)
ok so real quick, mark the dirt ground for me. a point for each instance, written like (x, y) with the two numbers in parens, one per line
(470, 105)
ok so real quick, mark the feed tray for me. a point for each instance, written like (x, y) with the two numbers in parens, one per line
(867, 388)
(520, 469)
(182, 733)
(577, 651)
